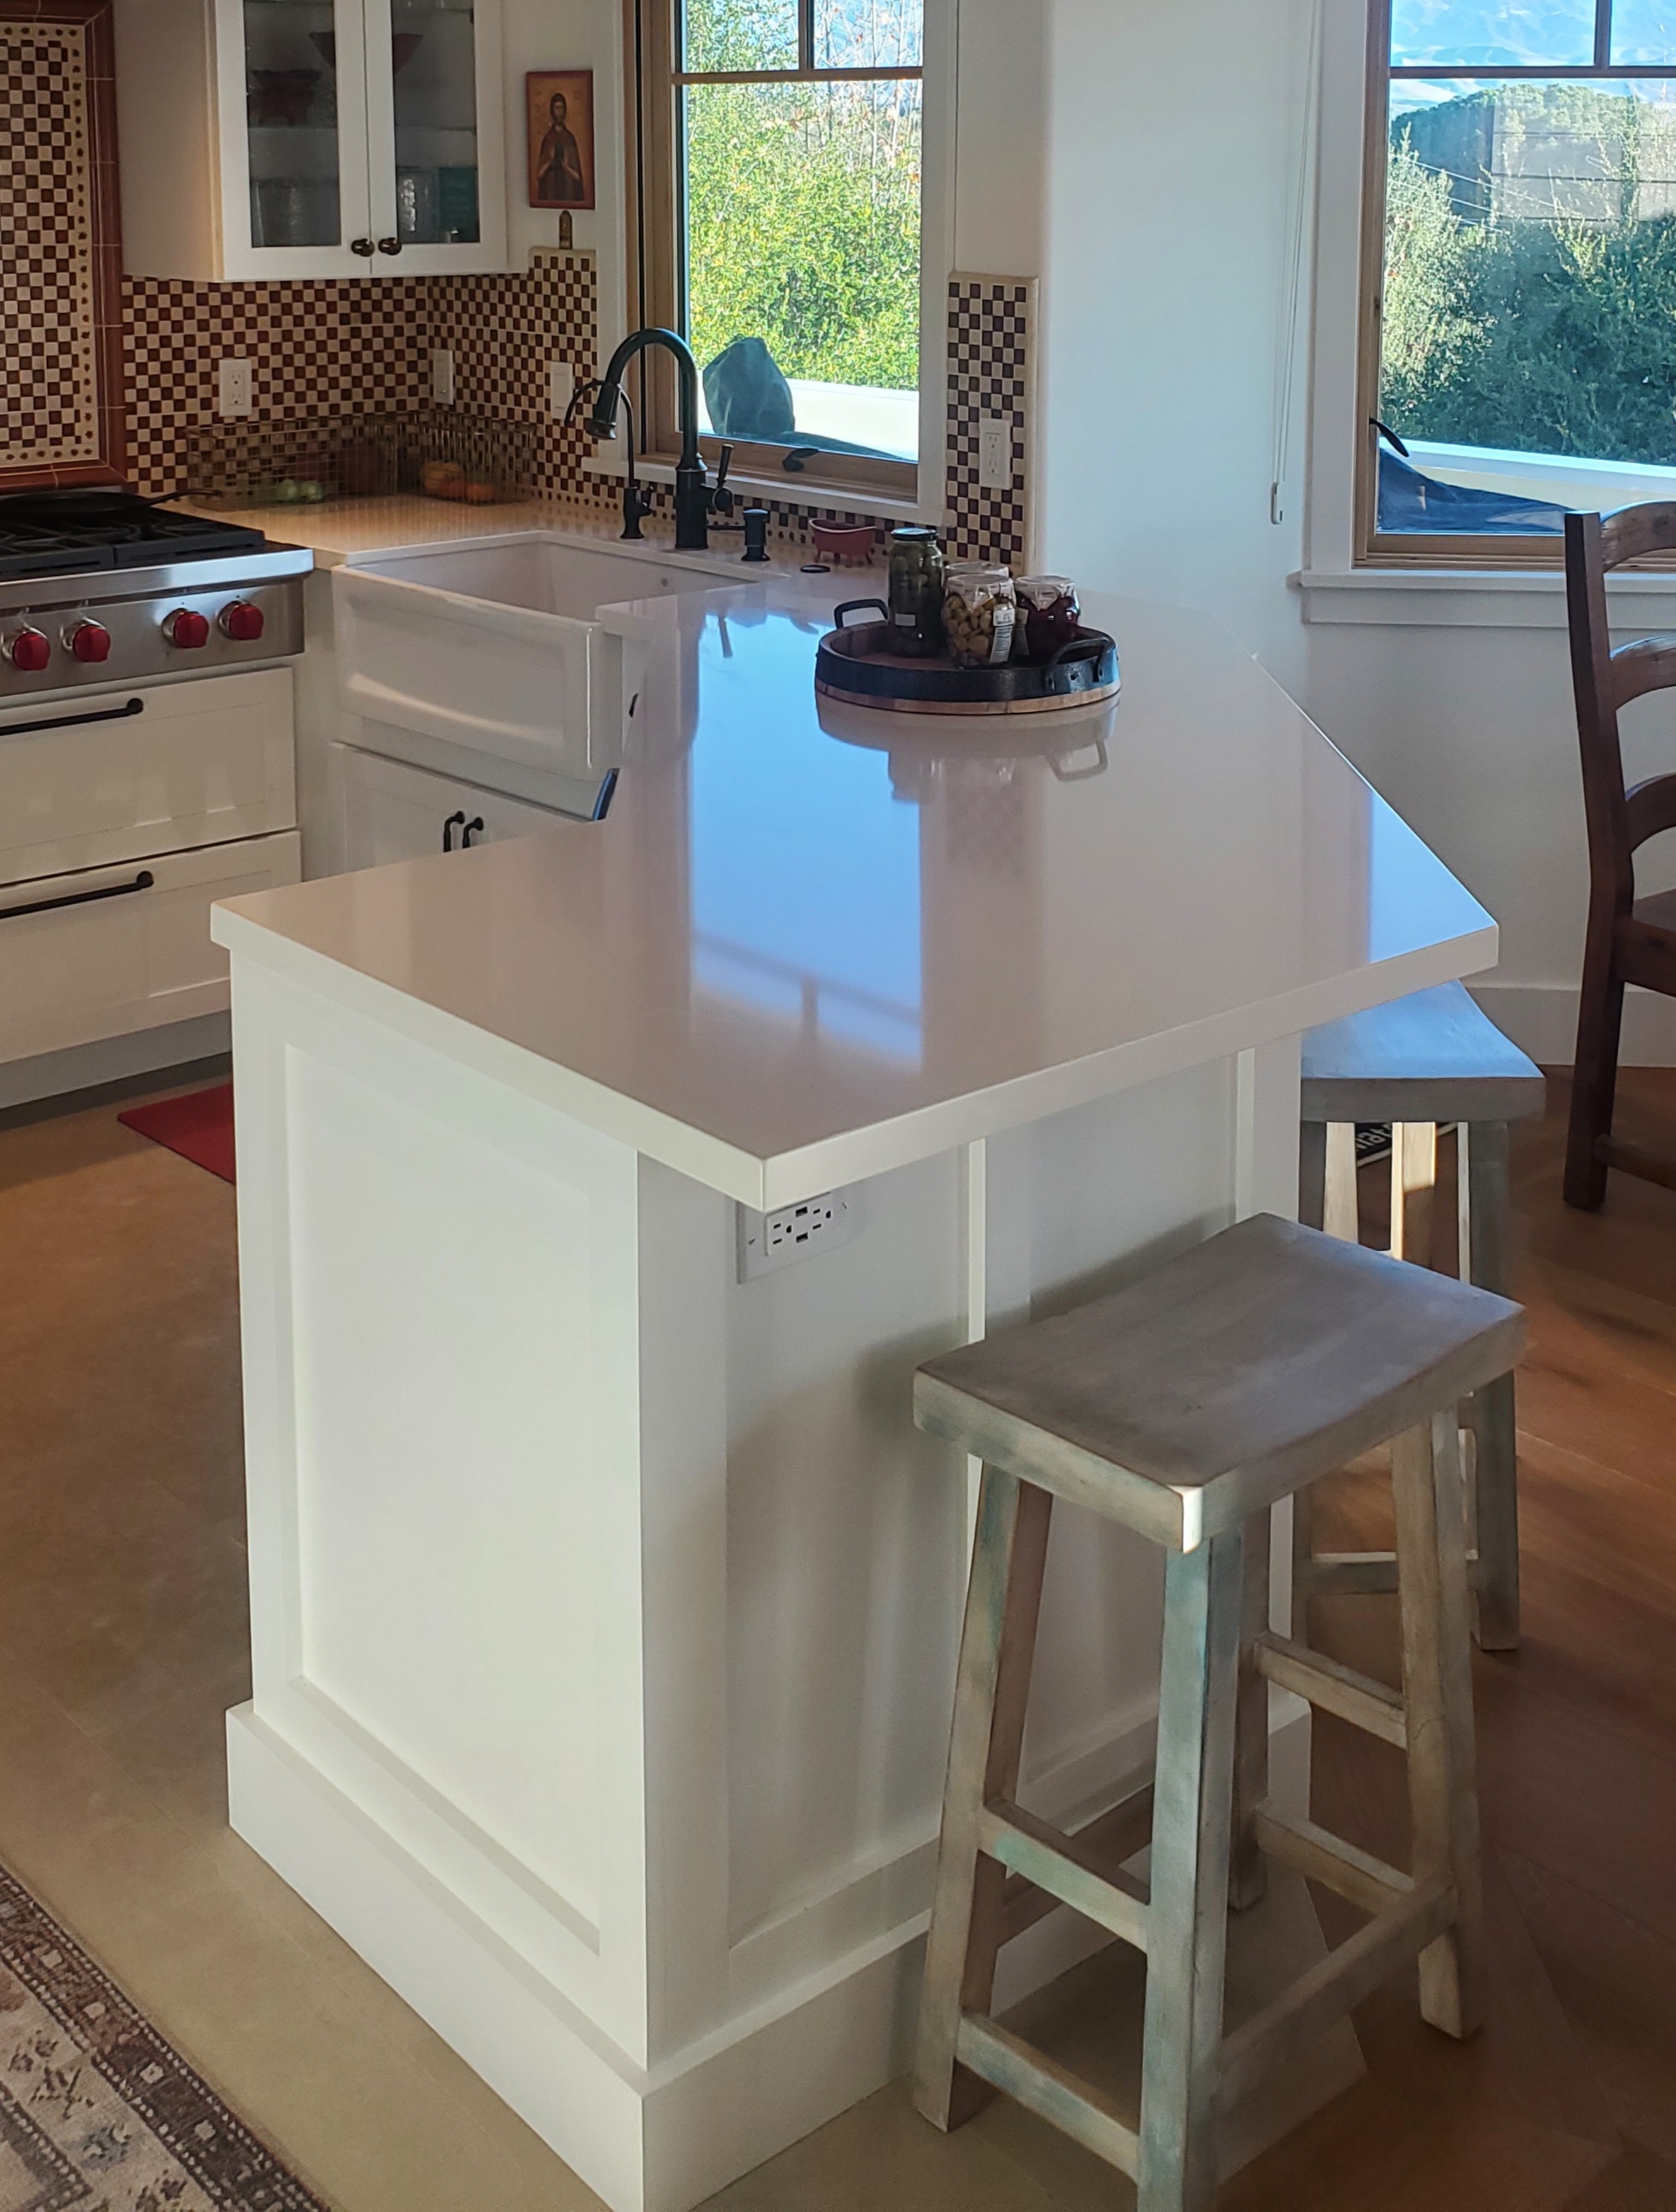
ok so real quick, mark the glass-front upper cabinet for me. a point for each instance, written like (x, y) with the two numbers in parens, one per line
(348, 136)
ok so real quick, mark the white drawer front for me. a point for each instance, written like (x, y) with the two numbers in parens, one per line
(200, 763)
(395, 813)
(104, 966)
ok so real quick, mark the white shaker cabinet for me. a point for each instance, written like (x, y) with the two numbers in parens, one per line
(393, 811)
(267, 138)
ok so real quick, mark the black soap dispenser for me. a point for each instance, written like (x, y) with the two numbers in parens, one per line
(756, 535)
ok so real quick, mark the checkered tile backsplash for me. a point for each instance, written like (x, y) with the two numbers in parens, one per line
(325, 348)
(991, 332)
(49, 383)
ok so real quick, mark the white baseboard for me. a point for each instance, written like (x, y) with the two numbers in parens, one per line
(1541, 1018)
(114, 1059)
(658, 2141)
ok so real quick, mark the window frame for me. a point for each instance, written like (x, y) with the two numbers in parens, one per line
(656, 246)
(1374, 548)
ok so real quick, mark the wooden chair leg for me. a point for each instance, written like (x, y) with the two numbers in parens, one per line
(1413, 1190)
(997, 1647)
(1494, 1419)
(1594, 1075)
(1437, 1692)
(1187, 1919)
(1248, 1869)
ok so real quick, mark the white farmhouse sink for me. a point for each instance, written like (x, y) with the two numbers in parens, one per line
(491, 660)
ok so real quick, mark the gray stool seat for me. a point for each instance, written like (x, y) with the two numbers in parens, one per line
(1430, 1057)
(1433, 1056)
(1186, 1407)
(1256, 1361)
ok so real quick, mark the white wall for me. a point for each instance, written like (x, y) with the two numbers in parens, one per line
(1177, 134)
(550, 34)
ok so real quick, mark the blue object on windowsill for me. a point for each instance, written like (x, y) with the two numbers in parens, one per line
(1411, 502)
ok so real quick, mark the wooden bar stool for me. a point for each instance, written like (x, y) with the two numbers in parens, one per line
(1186, 1407)
(1431, 1058)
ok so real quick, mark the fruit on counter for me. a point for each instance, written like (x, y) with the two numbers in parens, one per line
(298, 491)
(443, 479)
(481, 495)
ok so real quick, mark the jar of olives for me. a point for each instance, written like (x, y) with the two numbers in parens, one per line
(979, 613)
(1050, 616)
(916, 590)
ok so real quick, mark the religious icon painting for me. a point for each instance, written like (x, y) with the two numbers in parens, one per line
(560, 107)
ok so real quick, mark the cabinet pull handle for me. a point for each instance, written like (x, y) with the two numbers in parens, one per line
(142, 882)
(73, 722)
(363, 246)
(456, 820)
(466, 834)
(389, 246)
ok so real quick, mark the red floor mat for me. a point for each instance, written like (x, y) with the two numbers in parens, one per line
(199, 1127)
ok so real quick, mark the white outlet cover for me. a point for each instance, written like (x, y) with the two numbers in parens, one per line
(561, 388)
(768, 1242)
(442, 376)
(995, 452)
(232, 388)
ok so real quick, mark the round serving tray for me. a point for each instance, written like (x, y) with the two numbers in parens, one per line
(854, 663)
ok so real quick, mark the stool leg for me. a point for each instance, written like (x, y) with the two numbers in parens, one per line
(1413, 1188)
(1341, 1211)
(1303, 1558)
(1437, 1693)
(1313, 1174)
(1248, 1872)
(1495, 1414)
(997, 1645)
(1187, 1919)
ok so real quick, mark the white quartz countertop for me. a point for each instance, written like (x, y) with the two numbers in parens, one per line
(810, 943)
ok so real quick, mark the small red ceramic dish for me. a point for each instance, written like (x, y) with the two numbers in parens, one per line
(844, 541)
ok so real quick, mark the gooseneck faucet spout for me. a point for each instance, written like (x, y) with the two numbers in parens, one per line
(691, 498)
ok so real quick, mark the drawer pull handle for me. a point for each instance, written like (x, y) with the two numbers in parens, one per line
(476, 823)
(73, 722)
(455, 821)
(142, 882)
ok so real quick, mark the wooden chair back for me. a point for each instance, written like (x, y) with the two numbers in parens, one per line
(1605, 682)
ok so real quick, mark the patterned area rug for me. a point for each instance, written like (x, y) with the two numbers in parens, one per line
(97, 2113)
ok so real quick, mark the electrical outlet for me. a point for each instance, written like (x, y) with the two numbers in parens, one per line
(995, 453)
(768, 1240)
(442, 376)
(561, 388)
(233, 392)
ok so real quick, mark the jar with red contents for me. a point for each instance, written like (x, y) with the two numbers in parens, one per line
(1050, 616)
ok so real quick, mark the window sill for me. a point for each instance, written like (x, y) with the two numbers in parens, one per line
(1473, 599)
(799, 490)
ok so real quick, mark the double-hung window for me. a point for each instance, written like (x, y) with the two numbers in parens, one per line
(1519, 354)
(778, 154)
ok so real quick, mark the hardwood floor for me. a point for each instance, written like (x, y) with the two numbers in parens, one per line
(123, 1639)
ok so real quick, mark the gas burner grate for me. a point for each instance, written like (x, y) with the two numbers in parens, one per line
(61, 534)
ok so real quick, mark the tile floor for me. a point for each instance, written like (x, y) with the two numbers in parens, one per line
(122, 1641)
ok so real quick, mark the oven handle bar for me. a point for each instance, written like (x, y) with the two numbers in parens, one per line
(142, 882)
(72, 721)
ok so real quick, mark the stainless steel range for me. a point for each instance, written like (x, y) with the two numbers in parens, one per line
(105, 587)
(147, 769)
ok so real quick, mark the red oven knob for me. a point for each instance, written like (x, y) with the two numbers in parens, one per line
(187, 629)
(243, 621)
(90, 640)
(30, 652)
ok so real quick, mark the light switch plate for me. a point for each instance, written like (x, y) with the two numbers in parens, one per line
(442, 376)
(995, 453)
(233, 389)
(561, 388)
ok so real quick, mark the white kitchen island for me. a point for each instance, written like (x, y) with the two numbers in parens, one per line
(604, 1604)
